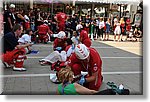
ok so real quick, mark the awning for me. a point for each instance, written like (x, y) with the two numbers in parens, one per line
(78, 1)
(113, 1)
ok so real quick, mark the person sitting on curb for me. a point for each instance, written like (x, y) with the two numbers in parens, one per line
(13, 53)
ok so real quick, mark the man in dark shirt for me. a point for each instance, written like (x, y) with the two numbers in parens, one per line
(9, 19)
(13, 53)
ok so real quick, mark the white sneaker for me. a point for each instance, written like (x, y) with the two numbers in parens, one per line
(19, 69)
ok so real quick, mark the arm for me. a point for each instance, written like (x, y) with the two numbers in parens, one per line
(23, 46)
(83, 90)
(9, 20)
(91, 78)
(20, 16)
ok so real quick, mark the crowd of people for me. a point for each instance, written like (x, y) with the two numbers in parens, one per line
(71, 46)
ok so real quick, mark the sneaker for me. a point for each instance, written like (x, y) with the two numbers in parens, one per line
(7, 65)
(41, 60)
(19, 69)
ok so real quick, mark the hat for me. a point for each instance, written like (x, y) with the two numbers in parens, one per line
(12, 6)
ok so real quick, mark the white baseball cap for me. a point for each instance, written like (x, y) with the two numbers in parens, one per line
(12, 6)
(61, 34)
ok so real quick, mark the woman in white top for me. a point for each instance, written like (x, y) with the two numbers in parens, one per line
(117, 29)
(101, 27)
(26, 38)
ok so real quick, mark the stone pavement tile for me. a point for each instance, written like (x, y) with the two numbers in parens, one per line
(7, 71)
(130, 82)
(113, 52)
(9, 83)
(7, 92)
(50, 86)
(22, 85)
(38, 85)
(122, 64)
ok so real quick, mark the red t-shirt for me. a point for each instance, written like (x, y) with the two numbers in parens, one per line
(85, 39)
(59, 44)
(43, 29)
(94, 64)
(61, 17)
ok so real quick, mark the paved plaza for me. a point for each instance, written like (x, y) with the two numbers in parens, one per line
(122, 64)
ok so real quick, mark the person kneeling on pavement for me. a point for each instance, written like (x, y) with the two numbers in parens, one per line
(14, 54)
(87, 60)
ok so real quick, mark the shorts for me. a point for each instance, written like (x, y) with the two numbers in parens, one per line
(107, 31)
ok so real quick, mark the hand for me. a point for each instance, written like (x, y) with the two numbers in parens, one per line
(82, 80)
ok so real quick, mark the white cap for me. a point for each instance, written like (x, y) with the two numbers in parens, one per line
(81, 51)
(46, 21)
(12, 6)
(61, 34)
(79, 26)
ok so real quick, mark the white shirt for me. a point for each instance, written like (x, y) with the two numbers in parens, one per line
(26, 18)
(25, 39)
(101, 24)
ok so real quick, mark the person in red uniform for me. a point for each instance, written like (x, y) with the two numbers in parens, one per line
(87, 59)
(44, 31)
(59, 53)
(61, 18)
(83, 36)
(14, 54)
(60, 41)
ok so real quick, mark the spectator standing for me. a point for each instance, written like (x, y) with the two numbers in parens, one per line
(97, 27)
(128, 27)
(61, 18)
(107, 32)
(122, 27)
(117, 30)
(9, 19)
(101, 27)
